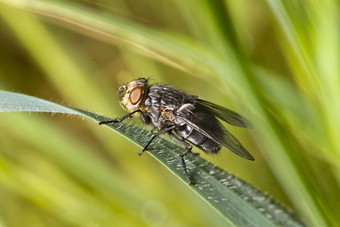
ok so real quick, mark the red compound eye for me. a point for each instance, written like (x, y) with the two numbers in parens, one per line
(135, 95)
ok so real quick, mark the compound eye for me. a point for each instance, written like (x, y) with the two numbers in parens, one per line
(136, 95)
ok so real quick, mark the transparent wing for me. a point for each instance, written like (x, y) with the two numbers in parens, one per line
(215, 131)
(224, 114)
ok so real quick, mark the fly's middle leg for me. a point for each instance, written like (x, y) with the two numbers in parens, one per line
(188, 150)
(154, 136)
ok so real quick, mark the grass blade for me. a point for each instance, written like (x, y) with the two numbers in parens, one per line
(237, 201)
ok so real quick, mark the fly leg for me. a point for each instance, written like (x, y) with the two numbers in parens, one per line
(188, 150)
(194, 153)
(154, 136)
(122, 118)
(154, 129)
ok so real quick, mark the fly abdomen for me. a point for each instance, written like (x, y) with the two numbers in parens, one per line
(198, 139)
(210, 146)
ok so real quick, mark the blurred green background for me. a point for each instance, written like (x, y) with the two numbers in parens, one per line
(276, 62)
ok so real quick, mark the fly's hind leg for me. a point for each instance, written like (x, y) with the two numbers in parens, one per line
(188, 150)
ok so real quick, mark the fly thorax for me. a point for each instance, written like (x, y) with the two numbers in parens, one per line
(167, 117)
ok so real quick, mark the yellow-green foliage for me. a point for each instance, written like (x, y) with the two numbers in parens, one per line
(277, 62)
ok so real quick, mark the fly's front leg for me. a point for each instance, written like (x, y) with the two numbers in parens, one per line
(154, 136)
(188, 150)
(120, 119)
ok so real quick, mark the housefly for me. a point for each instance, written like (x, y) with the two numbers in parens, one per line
(187, 119)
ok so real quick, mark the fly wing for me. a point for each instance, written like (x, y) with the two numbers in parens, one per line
(218, 133)
(224, 114)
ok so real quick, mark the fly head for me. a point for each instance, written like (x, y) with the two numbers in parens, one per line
(134, 94)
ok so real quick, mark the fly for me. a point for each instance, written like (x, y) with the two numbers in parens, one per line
(187, 119)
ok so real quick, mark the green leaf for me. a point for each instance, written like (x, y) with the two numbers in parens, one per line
(239, 202)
